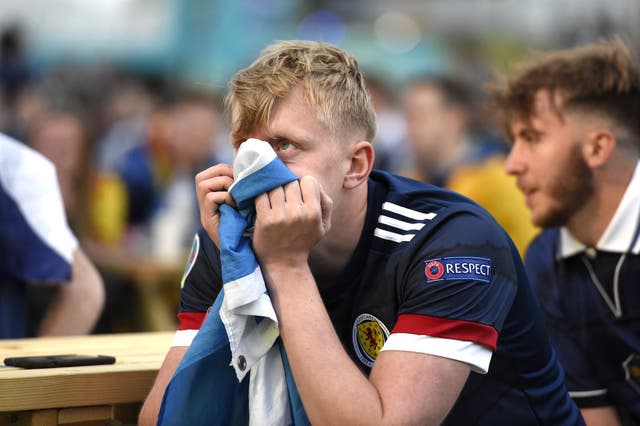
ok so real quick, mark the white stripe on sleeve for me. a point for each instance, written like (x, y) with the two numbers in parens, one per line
(477, 356)
(183, 337)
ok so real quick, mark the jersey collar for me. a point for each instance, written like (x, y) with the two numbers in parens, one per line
(617, 236)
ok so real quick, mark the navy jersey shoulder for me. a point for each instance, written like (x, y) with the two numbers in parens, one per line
(540, 260)
(437, 259)
(594, 323)
(542, 250)
(442, 242)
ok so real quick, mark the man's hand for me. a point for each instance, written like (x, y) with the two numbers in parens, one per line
(212, 188)
(290, 220)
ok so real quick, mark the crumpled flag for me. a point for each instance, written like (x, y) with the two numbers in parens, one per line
(240, 333)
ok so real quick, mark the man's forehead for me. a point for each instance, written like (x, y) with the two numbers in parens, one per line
(545, 104)
(546, 101)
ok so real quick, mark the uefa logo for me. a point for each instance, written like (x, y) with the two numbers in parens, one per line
(433, 270)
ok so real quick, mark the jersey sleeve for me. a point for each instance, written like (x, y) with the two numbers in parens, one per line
(33, 225)
(584, 386)
(201, 283)
(458, 288)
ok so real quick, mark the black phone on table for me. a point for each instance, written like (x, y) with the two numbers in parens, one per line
(53, 361)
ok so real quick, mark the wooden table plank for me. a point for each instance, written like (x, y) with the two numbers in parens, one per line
(138, 358)
(102, 413)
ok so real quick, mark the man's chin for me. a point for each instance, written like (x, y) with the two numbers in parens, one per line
(548, 220)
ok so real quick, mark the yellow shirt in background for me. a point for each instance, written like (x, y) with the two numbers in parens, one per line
(490, 186)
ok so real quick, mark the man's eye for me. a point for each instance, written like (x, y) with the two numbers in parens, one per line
(530, 137)
(284, 146)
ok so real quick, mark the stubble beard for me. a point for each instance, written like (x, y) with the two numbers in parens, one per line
(570, 192)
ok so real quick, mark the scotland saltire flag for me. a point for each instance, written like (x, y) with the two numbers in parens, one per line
(240, 332)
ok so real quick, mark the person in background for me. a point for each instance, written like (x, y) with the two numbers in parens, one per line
(397, 302)
(574, 119)
(60, 136)
(144, 212)
(15, 76)
(38, 248)
(450, 151)
(147, 205)
(192, 129)
(132, 167)
(392, 153)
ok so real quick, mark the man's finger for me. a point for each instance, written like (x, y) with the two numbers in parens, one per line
(214, 171)
(277, 199)
(215, 184)
(212, 201)
(262, 203)
(310, 190)
(293, 192)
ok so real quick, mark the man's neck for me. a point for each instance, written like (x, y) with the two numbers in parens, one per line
(589, 224)
(330, 257)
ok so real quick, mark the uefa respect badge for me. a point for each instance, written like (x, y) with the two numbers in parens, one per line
(458, 268)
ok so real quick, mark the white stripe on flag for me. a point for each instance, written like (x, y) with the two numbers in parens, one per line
(246, 165)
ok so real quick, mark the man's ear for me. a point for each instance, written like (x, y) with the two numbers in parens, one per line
(599, 147)
(362, 158)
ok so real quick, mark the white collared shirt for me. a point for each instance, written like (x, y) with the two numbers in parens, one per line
(619, 232)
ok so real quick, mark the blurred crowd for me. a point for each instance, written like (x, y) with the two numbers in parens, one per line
(126, 147)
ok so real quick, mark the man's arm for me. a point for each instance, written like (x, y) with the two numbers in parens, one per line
(403, 388)
(78, 303)
(151, 408)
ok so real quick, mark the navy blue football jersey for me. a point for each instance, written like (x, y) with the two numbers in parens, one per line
(432, 273)
(591, 302)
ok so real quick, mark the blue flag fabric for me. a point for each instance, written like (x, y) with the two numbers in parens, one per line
(240, 333)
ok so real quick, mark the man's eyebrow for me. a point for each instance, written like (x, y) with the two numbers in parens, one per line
(530, 132)
(277, 139)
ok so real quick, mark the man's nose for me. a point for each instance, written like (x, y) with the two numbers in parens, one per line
(514, 164)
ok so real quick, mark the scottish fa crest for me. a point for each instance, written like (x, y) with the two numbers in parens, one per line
(368, 335)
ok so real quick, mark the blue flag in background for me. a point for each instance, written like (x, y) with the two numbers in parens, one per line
(240, 333)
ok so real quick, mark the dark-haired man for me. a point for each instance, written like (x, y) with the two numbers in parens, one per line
(574, 118)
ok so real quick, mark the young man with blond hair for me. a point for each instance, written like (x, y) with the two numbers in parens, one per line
(397, 302)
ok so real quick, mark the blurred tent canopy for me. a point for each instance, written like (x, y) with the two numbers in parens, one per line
(206, 41)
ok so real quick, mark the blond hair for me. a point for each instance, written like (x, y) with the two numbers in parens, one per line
(332, 84)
